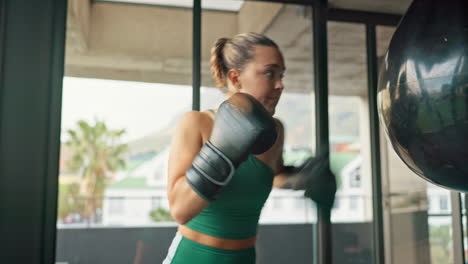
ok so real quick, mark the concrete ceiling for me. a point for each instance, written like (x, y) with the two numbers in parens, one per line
(346, 52)
(205, 4)
(382, 6)
(154, 43)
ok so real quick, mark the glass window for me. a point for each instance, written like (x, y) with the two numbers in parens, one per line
(116, 206)
(128, 80)
(156, 202)
(353, 202)
(336, 204)
(355, 177)
(444, 203)
(277, 203)
(414, 205)
(350, 143)
(290, 27)
(464, 198)
(431, 204)
(299, 202)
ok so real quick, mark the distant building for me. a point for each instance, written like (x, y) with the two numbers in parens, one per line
(130, 200)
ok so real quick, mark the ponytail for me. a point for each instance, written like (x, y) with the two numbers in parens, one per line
(218, 66)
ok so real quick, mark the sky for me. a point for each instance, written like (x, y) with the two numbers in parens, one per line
(140, 108)
(144, 108)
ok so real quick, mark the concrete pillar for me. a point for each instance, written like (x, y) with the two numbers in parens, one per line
(79, 16)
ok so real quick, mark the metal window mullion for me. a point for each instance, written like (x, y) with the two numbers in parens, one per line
(196, 55)
(53, 151)
(465, 197)
(457, 235)
(2, 49)
(30, 115)
(322, 238)
(372, 81)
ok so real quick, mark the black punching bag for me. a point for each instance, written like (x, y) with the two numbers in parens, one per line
(423, 91)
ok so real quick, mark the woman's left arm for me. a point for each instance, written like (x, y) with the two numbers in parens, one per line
(288, 177)
(277, 153)
(314, 175)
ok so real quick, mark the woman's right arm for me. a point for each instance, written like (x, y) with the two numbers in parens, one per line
(187, 141)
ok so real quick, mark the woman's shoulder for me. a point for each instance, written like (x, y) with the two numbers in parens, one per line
(279, 125)
(195, 118)
(198, 115)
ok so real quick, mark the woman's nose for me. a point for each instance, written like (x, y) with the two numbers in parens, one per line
(279, 85)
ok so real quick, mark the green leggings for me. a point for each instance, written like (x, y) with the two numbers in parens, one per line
(184, 251)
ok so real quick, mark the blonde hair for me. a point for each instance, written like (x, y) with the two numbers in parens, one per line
(235, 53)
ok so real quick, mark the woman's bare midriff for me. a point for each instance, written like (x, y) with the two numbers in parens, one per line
(216, 242)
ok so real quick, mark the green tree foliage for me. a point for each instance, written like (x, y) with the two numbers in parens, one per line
(96, 152)
(441, 244)
(69, 200)
(161, 215)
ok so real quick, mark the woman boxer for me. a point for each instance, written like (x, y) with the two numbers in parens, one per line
(224, 162)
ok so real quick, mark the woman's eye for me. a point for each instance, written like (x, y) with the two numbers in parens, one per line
(269, 74)
(282, 76)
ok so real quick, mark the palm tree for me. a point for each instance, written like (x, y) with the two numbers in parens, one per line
(96, 152)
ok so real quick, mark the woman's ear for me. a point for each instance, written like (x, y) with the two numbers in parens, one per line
(234, 78)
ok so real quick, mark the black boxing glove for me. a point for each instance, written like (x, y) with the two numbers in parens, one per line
(242, 126)
(315, 177)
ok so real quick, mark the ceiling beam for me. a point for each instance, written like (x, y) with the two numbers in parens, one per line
(348, 15)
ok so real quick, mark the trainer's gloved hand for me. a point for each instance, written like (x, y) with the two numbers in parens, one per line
(315, 177)
(242, 126)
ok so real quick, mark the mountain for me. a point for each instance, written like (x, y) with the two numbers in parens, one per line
(156, 141)
(295, 110)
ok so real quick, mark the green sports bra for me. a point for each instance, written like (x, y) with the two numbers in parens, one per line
(235, 214)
